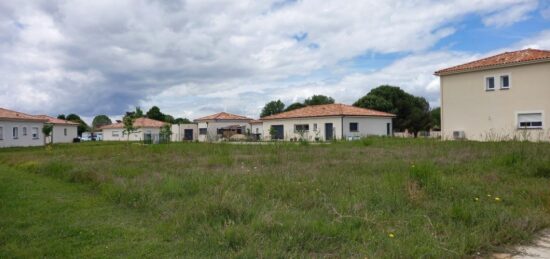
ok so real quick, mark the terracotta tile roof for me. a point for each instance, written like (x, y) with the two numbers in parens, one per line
(53, 120)
(138, 123)
(507, 58)
(19, 116)
(328, 110)
(223, 116)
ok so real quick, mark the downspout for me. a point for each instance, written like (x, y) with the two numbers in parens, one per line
(342, 129)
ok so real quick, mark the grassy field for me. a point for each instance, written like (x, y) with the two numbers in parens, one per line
(372, 198)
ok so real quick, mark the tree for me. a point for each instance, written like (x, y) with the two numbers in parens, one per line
(155, 114)
(129, 128)
(412, 112)
(137, 113)
(61, 116)
(295, 106)
(82, 126)
(168, 118)
(101, 120)
(165, 133)
(318, 100)
(47, 131)
(272, 108)
(436, 118)
(181, 121)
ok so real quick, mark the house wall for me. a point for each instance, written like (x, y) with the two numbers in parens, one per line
(179, 130)
(213, 126)
(22, 140)
(289, 132)
(367, 126)
(137, 136)
(59, 136)
(257, 128)
(492, 115)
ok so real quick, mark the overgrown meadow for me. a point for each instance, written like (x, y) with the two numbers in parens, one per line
(378, 197)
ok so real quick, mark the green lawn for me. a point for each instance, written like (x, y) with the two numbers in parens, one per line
(373, 198)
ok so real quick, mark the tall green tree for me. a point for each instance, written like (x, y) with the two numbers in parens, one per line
(128, 122)
(168, 118)
(413, 113)
(436, 117)
(155, 114)
(61, 116)
(82, 126)
(295, 106)
(101, 120)
(272, 108)
(318, 100)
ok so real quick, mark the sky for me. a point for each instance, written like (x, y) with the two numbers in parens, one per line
(198, 57)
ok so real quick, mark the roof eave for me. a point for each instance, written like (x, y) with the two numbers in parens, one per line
(513, 64)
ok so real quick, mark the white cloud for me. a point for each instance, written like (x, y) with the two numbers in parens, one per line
(191, 57)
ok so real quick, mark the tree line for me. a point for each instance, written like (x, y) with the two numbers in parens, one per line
(413, 112)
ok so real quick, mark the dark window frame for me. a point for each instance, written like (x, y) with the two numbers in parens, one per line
(356, 126)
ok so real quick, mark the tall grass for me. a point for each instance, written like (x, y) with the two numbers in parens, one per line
(377, 197)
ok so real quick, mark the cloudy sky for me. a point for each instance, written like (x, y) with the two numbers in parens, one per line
(197, 57)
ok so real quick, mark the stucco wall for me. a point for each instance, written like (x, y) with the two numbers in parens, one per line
(289, 132)
(137, 136)
(213, 126)
(22, 139)
(59, 136)
(367, 126)
(178, 131)
(492, 115)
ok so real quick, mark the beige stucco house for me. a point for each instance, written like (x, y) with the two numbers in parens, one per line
(185, 132)
(212, 127)
(145, 127)
(501, 97)
(18, 129)
(63, 131)
(327, 122)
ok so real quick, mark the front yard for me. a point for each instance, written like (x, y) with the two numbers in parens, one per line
(373, 198)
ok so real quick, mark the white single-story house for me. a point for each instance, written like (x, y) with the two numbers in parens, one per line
(220, 125)
(185, 132)
(145, 127)
(18, 129)
(327, 122)
(63, 131)
(502, 97)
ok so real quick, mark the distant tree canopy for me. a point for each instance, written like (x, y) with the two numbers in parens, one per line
(272, 108)
(82, 126)
(181, 121)
(101, 120)
(436, 117)
(413, 113)
(61, 116)
(295, 106)
(318, 100)
(155, 114)
(275, 107)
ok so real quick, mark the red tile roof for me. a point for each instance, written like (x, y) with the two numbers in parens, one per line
(223, 116)
(255, 122)
(53, 120)
(19, 116)
(507, 58)
(138, 123)
(328, 110)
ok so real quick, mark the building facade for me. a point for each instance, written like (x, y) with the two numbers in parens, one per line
(222, 125)
(63, 131)
(20, 130)
(502, 97)
(145, 128)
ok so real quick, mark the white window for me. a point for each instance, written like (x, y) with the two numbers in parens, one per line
(24, 131)
(504, 82)
(15, 132)
(35, 133)
(301, 127)
(530, 120)
(65, 131)
(1, 133)
(115, 134)
(490, 83)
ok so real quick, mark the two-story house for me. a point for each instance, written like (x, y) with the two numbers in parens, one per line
(502, 97)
